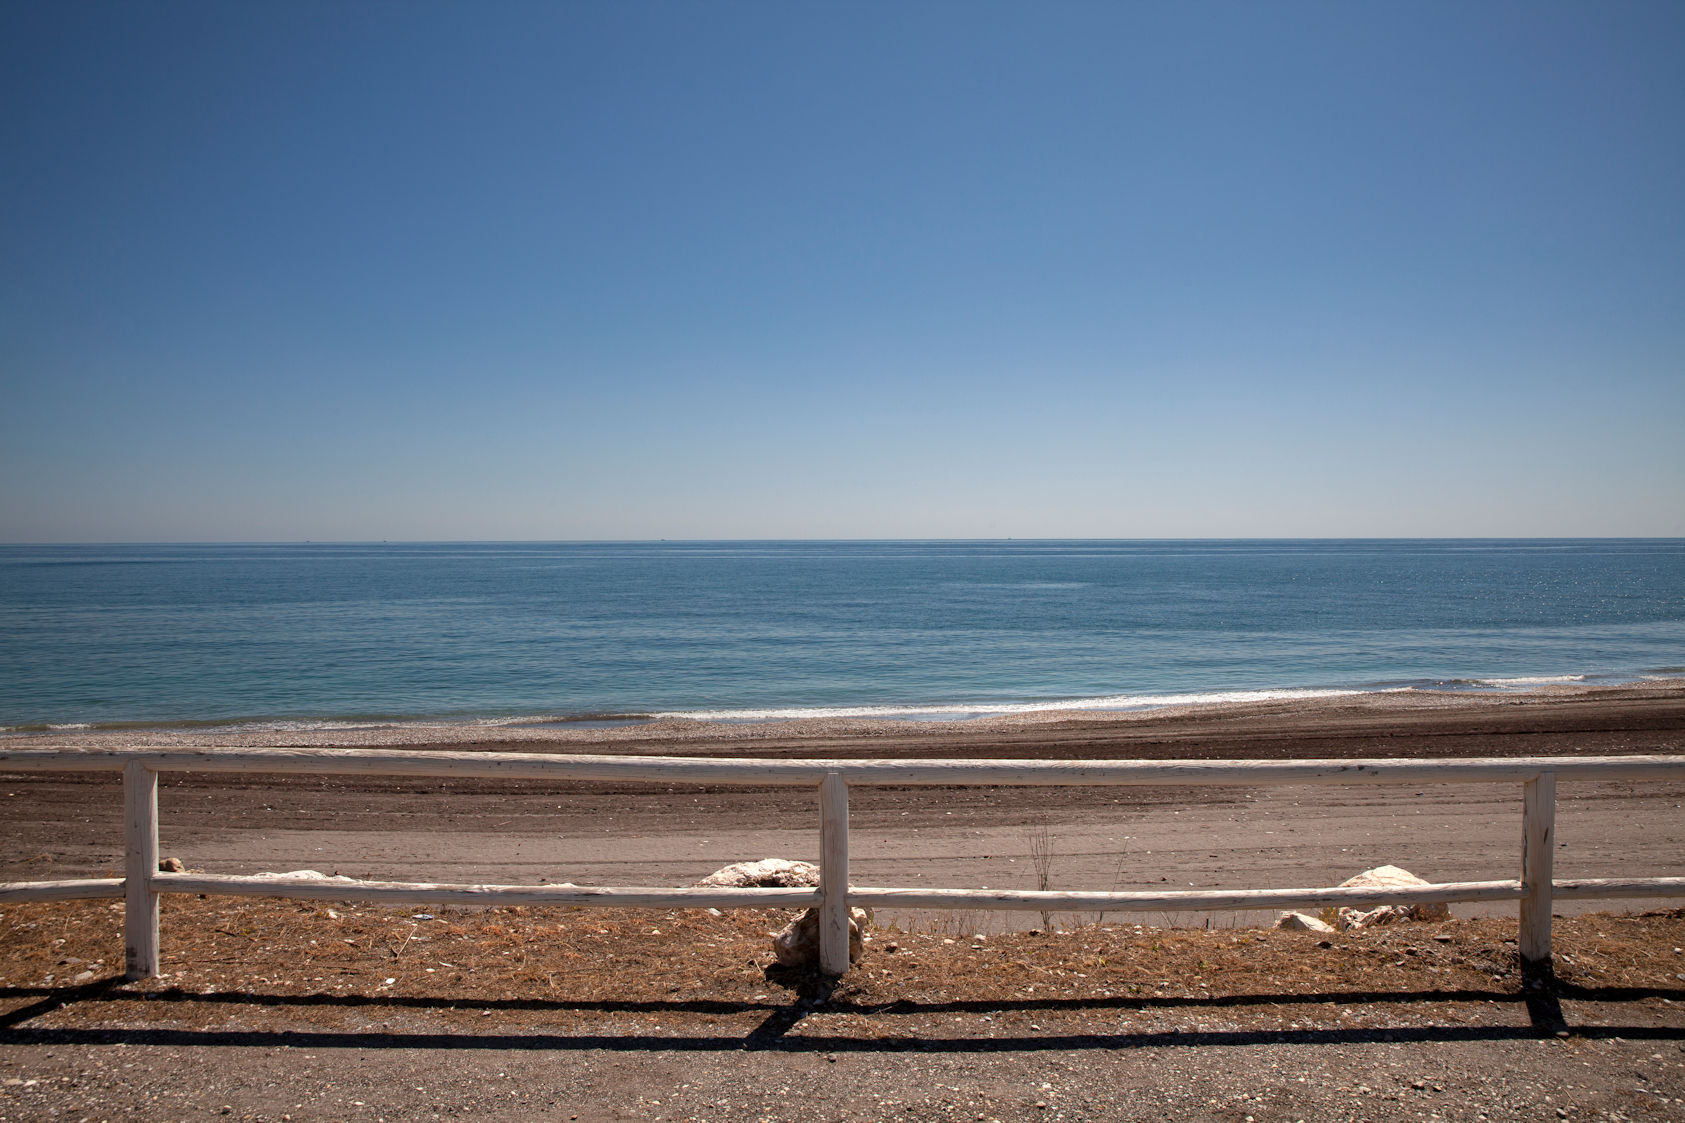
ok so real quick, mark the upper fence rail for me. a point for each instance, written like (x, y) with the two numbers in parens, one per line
(808, 773)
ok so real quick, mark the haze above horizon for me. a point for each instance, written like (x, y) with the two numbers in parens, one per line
(563, 272)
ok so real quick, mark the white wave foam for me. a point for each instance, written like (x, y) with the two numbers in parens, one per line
(1528, 680)
(525, 719)
(299, 726)
(69, 727)
(1109, 702)
(328, 725)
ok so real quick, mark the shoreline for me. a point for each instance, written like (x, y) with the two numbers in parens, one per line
(1287, 707)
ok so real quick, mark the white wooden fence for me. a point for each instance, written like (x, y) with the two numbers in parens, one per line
(143, 882)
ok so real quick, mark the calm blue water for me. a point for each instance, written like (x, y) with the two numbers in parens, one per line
(304, 633)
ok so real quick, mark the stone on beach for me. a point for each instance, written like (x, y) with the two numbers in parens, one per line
(1387, 877)
(768, 873)
(797, 943)
(1303, 922)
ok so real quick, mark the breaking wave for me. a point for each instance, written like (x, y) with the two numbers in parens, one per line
(960, 710)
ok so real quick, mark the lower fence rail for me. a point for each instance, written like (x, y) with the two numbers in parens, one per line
(433, 893)
(1201, 900)
(83, 889)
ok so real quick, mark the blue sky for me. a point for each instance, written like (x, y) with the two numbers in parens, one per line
(548, 271)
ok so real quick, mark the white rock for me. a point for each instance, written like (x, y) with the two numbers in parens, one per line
(768, 873)
(1382, 877)
(1303, 922)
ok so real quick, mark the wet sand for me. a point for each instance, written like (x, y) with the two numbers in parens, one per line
(476, 830)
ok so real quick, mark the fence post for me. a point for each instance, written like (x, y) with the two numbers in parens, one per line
(833, 874)
(140, 862)
(1538, 867)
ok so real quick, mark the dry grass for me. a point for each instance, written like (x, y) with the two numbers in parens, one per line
(1040, 840)
(559, 968)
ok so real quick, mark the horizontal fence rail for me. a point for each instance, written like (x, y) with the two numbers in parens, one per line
(438, 893)
(84, 889)
(1030, 900)
(142, 882)
(810, 773)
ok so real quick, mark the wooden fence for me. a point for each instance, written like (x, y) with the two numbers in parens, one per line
(143, 882)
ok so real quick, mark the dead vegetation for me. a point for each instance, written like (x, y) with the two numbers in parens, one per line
(567, 970)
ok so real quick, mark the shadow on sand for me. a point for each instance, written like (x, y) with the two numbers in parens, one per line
(1541, 996)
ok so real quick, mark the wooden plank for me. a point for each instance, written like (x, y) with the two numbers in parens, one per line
(140, 862)
(1538, 861)
(436, 893)
(833, 875)
(1253, 772)
(391, 762)
(1200, 900)
(85, 889)
(1604, 888)
(709, 770)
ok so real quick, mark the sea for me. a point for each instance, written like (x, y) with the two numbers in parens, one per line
(309, 636)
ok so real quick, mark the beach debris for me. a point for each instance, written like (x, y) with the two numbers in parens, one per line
(768, 873)
(171, 865)
(1303, 922)
(1386, 877)
(797, 943)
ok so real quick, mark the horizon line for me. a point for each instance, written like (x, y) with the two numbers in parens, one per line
(819, 540)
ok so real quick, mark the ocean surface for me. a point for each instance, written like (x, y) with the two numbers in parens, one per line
(302, 636)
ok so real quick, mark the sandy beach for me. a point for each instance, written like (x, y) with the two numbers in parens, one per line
(285, 1009)
(473, 830)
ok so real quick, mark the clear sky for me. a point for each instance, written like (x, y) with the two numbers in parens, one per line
(275, 271)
